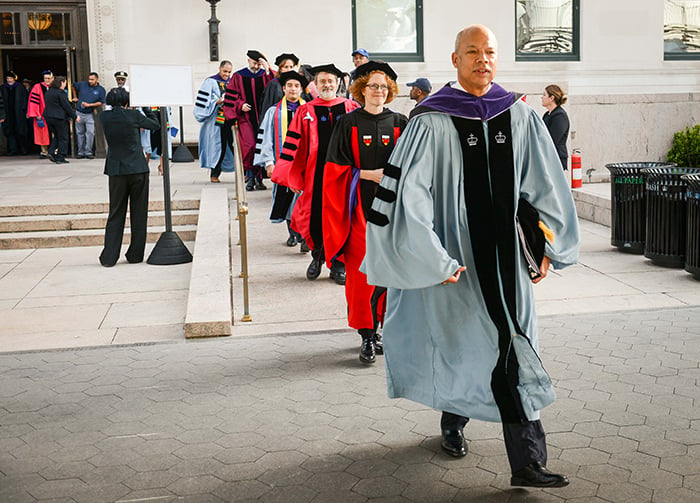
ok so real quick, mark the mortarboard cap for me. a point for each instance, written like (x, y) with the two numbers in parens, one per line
(285, 56)
(372, 66)
(422, 84)
(326, 68)
(360, 51)
(47, 72)
(255, 55)
(10, 73)
(286, 76)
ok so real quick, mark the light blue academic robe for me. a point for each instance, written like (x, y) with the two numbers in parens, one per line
(205, 110)
(440, 343)
(268, 147)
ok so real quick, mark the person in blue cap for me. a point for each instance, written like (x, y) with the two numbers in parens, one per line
(420, 89)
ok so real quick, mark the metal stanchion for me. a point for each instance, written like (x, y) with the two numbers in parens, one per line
(169, 249)
(242, 213)
(182, 153)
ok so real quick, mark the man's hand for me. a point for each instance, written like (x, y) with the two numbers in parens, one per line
(269, 168)
(373, 175)
(543, 269)
(455, 277)
(246, 107)
(264, 64)
(220, 100)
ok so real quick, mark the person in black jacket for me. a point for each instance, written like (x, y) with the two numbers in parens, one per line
(14, 125)
(128, 176)
(58, 114)
(556, 119)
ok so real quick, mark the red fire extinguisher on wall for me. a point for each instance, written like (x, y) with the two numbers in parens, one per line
(576, 174)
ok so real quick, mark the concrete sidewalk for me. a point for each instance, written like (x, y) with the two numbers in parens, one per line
(62, 297)
(298, 419)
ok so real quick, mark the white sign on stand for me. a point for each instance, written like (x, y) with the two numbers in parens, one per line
(160, 85)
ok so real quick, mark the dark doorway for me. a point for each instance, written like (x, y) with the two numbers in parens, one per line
(29, 63)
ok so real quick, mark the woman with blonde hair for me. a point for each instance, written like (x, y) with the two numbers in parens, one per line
(357, 158)
(556, 119)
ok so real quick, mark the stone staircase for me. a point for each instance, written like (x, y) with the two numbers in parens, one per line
(66, 225)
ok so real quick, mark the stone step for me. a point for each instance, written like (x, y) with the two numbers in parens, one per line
(80, 208)
(33, 223)
(83, 237)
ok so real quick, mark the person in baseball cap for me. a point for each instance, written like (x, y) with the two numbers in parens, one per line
(360, 56)
(420, 89)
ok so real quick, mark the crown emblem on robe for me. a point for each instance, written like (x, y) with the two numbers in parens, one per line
(500, 137)
(472, 140)
(367, 139)
(386, 139)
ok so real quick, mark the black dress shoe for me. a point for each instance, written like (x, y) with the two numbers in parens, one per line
(453, 443)
(51, 157)
(260, 186)
(81, 156)
(314, 269)
(304, 248)
(338, 272)
(378, 346)
(338, 277)
(250, 185)
(536, 475)
(367, 352)
(291, 241)
(90, 156)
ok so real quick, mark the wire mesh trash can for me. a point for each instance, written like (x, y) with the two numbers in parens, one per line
(666, 215)
(692, 247)
(628, 204)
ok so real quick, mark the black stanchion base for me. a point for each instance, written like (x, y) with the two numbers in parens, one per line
(182, 154)
(169, 250)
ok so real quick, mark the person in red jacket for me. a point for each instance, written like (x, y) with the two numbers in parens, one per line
(300, 165)
(35, 110)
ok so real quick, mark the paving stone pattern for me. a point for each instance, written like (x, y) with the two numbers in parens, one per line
(297, 418)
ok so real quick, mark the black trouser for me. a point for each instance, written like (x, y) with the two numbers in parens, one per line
(123, 190)
(226, 143)
(525, 443)
(59, 131)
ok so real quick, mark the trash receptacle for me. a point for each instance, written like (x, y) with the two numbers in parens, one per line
(628, 204)
(666, 215)
(692, 248)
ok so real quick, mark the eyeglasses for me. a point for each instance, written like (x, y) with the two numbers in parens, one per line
(377, 87)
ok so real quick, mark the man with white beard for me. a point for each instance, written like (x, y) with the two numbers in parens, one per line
(300, 166)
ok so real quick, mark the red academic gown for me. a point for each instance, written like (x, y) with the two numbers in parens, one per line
(300, 166)
(35, 108)
(246, 87)
(360, 141)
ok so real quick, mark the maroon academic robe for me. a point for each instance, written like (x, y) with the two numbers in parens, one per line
(246, 87)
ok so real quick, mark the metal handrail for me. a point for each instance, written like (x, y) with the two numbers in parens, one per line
(242, 214)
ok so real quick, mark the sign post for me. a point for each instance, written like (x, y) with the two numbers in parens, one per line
(147, 89)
